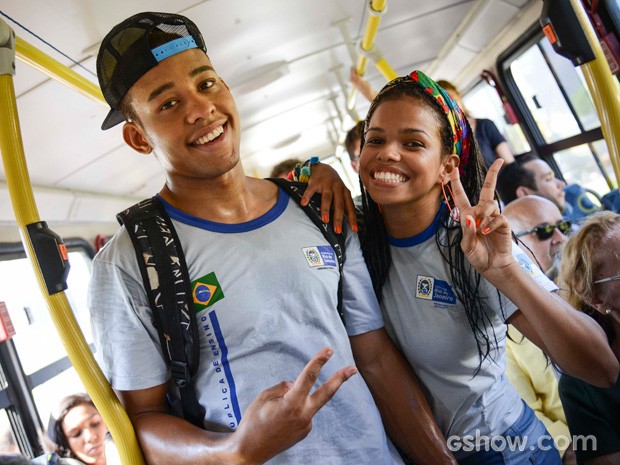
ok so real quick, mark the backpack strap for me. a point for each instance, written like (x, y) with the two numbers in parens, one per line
(313, 209)
(167, 284)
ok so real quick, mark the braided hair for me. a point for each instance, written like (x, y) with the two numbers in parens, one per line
(373, 236)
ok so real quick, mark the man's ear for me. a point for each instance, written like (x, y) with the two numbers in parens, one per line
(133, 136)
(449, 163)
(522, 191)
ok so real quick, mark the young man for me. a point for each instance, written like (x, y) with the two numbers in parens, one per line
(531, 176)
(273, 283)
(352, 144)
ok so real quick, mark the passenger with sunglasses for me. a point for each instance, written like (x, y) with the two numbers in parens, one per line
(590, 276)
(538, 224)
(540, 229)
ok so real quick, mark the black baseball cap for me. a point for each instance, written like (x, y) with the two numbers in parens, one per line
(135, 46)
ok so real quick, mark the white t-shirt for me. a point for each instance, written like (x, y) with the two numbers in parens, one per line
(424, 315)
(266, 298)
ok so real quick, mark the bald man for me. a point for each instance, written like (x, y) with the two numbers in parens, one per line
(524, 215)
(526, 365)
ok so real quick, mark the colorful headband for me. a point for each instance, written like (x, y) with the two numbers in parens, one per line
(456, 118)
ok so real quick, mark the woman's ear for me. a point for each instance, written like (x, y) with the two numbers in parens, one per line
(598, 304)
(449, 163)
(133, 136)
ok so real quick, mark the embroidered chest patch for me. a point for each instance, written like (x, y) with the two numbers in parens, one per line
(436, 290)
(320, 256)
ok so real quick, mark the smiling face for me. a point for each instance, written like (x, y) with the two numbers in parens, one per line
(402, 161)
(186, 116)
(85, 432)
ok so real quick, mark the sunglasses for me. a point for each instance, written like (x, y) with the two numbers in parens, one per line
(606, 280)
(545, 231)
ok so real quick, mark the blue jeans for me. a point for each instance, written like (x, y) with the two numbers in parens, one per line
(531, 443)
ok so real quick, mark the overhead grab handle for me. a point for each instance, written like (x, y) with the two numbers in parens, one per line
(7, 49)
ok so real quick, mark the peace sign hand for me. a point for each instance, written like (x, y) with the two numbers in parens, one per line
(487, 242)
(282, 415)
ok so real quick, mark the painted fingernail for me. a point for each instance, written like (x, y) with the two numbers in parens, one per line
(486, 230)
(355, 228)
(478, 221)
(338, 229)
(468, 221)
(304, 202)
(325, 218)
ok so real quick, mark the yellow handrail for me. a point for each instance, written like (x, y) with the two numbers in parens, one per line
(602, 85)
(22, 198)
(368, 41)
(37, 59)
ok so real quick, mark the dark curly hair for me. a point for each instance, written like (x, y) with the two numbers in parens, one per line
(374, 237)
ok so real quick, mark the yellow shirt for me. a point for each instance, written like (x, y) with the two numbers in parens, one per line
(533, 377)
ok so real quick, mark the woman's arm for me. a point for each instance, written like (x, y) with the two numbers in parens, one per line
(571, 338)
(404, 409)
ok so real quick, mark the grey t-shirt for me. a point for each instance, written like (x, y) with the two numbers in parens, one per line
(265, 293)
(424, 315)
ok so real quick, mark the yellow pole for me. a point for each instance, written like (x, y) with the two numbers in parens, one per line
(37, 59)
(385, 68)
(372, 26)
(602, 85)
(368, 40)
(22, 198)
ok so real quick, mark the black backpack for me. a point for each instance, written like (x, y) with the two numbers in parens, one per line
(167, 284)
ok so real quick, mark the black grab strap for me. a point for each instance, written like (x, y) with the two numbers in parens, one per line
(166, 281)
(313, 209)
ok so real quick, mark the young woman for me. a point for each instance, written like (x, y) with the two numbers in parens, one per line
(78, 431)
(589, 273)
(449, 279)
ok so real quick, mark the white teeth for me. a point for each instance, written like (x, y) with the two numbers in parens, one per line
(209, 137)
(385, 176)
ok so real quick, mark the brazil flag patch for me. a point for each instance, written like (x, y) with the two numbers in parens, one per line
(206, 291)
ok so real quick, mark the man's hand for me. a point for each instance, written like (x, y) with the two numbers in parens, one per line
(326, 181)
(281, 416)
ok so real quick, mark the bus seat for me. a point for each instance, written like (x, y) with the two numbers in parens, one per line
(579, 203)
(611, 201)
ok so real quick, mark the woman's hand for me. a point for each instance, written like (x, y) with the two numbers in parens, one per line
(487, 241)
(326, 181)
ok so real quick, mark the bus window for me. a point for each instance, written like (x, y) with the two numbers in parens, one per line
(579, 166)
(41, 354)
(558, 113)
(482, 101)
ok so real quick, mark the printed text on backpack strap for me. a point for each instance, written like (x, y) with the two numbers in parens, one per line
(166, 280)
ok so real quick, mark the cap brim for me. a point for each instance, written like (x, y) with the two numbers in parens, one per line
(114, 117)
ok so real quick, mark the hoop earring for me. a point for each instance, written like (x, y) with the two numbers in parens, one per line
(379, 207)
(455, 213)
